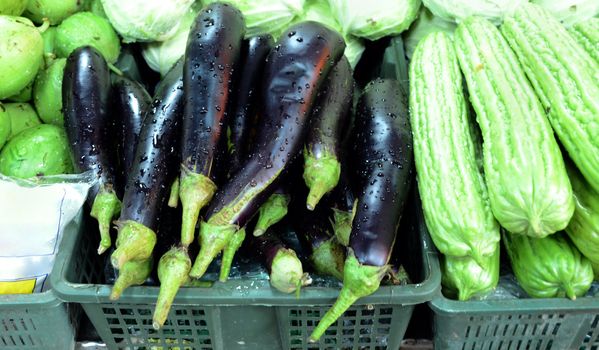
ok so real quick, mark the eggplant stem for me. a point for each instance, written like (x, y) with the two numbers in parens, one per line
(173, 270)
(342, 224)
(328, 259)
(173, 199)
(195, 192)
(132, 273)
(105, 207)
(271, 212)
(321, 175)
(115, 69)
(229, 253)
(213, 239)
(134, 242)
(358, 281)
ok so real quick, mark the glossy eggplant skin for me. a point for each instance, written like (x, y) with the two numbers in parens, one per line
(213, 50)
(155, 164)
(244, 105)
(329, 121)
(383, 163)
(295, 70)
(87, 121)
(130, 103)
(267, 246)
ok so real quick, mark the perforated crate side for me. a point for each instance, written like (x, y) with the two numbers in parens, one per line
(589, 340)
(361, 327)
(127, 326)
(509, 331)
(36, 327)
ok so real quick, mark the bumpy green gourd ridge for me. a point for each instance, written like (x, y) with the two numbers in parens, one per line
(463, 278)
(583, 229)
(549, 267)
(587, 34)
(565, 77)
(528, 186)
(453, 191)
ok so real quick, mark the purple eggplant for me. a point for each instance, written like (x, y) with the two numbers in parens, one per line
(85, 95)
(284, 267)
(130, 103)
(383, 160)
(322, 164)
(244, 105)
(294, 72)
(151, 173)
(213, 50)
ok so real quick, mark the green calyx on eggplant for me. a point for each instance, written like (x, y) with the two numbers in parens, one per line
(284, 267)
(132, 273)
(382, 173)
(322, 164)
(87, 120)
(211, 56)
(22, 56)
(295, 70)
(173, 270)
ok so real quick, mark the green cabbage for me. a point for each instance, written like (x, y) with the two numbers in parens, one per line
(21, 54)
(320, 11)
(458, 10)
(549, 267)
(162, 55)
(570, 12)
(463, 278)
(267, 16)
(425, 23)
(146, 20)
(374, 19)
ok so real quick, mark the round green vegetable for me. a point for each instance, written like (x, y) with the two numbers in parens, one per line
(21, 54)
(47, 93)
(12, 7)
(54, 10)
(86, 28)
(4, 125)
(22, 116)
(49, 37)
(23, 95)
(39, 151)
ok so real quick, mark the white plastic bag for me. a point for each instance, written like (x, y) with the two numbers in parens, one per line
(33, 216)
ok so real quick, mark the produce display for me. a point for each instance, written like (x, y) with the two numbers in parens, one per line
(216, 130)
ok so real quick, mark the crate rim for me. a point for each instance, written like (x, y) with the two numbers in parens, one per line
(240, 292)
(45, 299)
(446, 307)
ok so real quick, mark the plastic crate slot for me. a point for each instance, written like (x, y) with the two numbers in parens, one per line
(108, 311)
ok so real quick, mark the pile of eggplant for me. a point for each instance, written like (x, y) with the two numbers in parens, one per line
(219, 149)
